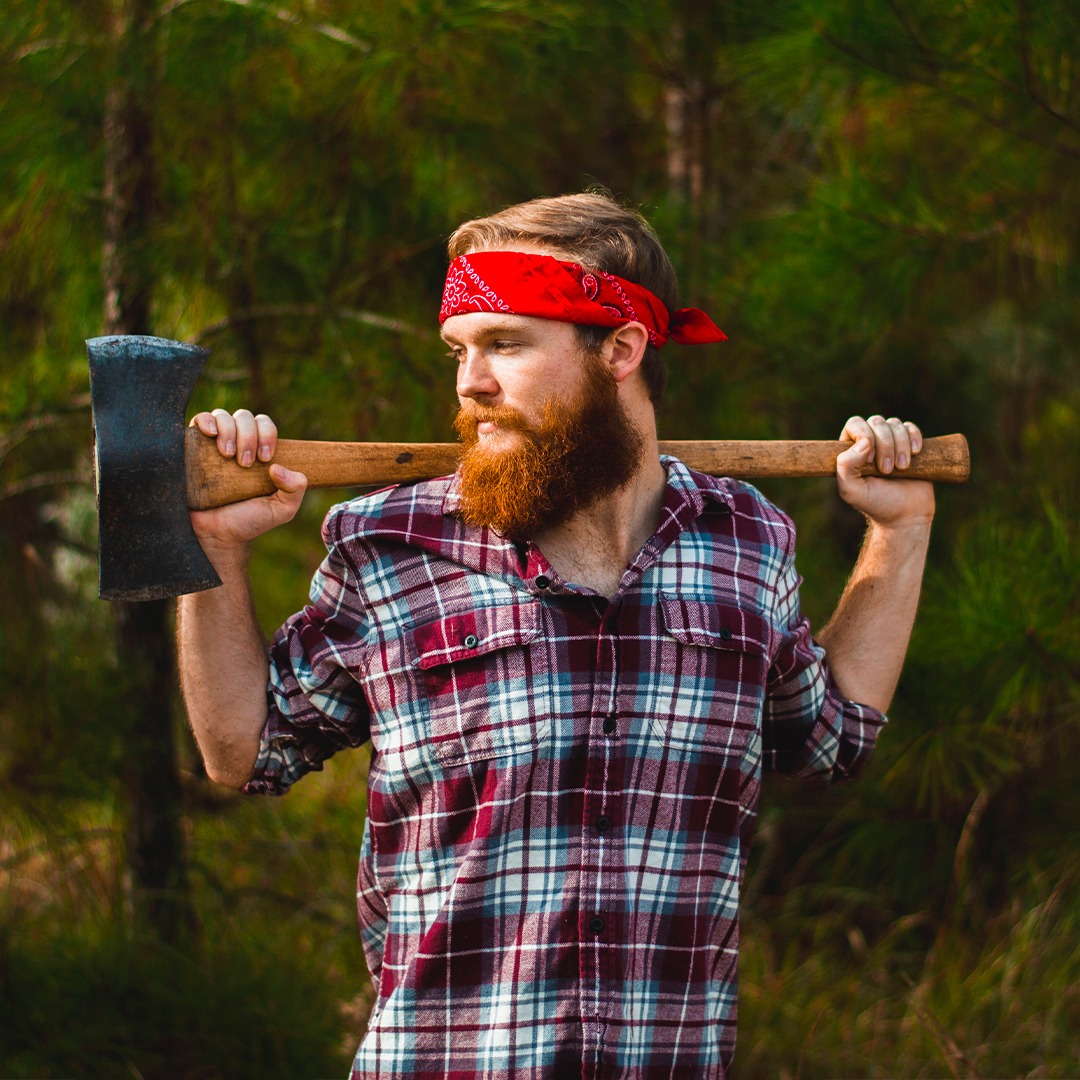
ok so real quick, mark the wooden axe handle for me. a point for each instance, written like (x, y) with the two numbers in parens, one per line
(213, 480)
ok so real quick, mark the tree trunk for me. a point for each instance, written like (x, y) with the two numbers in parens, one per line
(702, 172)
(155, 880)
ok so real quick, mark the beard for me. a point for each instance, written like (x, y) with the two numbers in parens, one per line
(579, 452)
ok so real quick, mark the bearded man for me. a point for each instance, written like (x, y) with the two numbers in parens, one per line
(573, 658)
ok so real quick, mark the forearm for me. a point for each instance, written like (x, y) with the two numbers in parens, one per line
(867, 637)
(223, 671)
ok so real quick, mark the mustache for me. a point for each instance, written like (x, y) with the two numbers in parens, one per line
(471, 413)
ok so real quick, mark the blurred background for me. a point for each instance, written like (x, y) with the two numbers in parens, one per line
(877, 200)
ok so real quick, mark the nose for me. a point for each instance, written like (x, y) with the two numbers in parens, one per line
(475, 379)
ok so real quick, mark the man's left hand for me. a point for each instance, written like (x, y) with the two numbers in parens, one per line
(890, 445)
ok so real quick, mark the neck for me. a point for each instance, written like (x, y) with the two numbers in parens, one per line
(594, 547)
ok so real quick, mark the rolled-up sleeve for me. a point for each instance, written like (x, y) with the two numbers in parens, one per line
(810, 731)
(316, 704)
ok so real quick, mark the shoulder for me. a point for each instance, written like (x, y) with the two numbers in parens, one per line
(752, 517)
(408, 511)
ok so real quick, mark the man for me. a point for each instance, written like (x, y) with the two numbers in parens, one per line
(573, 659)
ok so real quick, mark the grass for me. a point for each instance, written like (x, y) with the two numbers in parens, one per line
(970, 999)
(106, 1007)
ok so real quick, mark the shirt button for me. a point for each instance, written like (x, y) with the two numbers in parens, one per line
(609, 724)
(472, 641)
(603, 823)
(725, 633)
(596, 924)
(543, 581)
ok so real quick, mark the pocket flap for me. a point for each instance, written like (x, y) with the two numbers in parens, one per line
(714, 625)
(475, 632)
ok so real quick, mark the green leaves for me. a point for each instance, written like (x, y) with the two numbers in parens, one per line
(997, 642)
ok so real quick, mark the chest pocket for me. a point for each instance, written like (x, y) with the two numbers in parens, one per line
(487, 679)
(712, 674)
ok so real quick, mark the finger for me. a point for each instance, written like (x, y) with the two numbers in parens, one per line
(915, 436)
(204, 421)
(247, 437)
(857, 428)
(901, 442)
(226, 432)
(884, 444)
(266, 432)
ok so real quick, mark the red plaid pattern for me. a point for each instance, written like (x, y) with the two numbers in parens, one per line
(562, 790)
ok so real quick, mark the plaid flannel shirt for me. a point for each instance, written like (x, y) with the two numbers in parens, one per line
(562, 789)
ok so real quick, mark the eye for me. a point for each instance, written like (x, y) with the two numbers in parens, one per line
(506, 346)
(456, 353)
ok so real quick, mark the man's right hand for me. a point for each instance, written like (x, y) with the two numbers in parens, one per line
(222, 657)
(227, 530)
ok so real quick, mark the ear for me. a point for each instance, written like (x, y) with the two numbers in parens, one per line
(625, 348)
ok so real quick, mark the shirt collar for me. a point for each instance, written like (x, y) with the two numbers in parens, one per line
(696, 487)
(426, 516)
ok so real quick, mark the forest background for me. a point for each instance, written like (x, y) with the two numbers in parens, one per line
(877, 200)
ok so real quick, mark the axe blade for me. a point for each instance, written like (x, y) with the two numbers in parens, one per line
(139, 389)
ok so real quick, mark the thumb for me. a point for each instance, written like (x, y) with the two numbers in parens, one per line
(290, 492)
(850, 462)
(287, 481)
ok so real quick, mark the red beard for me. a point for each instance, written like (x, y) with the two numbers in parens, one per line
(581, 451)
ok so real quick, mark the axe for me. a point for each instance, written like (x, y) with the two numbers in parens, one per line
(151, 468)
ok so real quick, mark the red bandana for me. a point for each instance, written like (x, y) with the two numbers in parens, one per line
(543, 286)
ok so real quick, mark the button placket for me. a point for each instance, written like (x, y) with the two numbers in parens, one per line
(601, 959)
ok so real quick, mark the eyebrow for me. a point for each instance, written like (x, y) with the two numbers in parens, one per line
(491, 330)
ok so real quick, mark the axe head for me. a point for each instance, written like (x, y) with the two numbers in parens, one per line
(139, 388)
